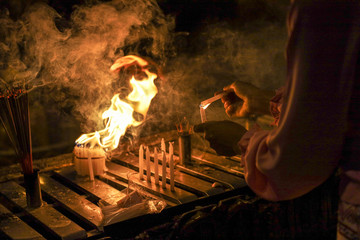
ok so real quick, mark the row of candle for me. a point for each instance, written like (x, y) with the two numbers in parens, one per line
(146, 164)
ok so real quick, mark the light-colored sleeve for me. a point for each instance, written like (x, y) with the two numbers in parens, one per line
(305, 149)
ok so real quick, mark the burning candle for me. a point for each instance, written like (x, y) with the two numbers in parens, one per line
(141, 162)
(171, 148)
(171, 166)
(156, 166)
(202, 115)
(148, 171)
(163, 169)
(163, 146)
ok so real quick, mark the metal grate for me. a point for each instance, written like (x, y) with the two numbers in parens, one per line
(70, 209)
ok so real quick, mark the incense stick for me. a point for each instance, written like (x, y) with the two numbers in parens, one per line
(15, 117)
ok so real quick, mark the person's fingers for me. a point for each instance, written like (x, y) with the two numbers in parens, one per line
(231, 102)
(230, 110)
(230, 96)
(227, 104)
(228, 88)
(233, 109)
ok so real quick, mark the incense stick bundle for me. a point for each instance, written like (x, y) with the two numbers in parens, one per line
(15, 117)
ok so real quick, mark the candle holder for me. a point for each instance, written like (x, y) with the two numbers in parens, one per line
(185, 148)
(89, 161)
(33, 189)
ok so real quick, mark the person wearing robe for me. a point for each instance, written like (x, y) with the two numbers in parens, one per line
(317, 113)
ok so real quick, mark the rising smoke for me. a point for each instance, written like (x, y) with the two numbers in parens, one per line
(70, 58)
(251, 51)
(77, 58)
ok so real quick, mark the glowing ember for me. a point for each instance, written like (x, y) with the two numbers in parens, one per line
(119, 117)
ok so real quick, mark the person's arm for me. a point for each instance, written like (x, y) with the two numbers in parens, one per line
(304, 150)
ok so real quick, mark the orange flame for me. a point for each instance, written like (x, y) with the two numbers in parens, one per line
(119, 117)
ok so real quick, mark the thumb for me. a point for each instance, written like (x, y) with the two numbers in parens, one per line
(228, 88)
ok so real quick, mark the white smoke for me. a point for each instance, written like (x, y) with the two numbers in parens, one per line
(72, 57)
(76, 59)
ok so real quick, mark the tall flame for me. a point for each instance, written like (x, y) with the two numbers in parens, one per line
(119, 117)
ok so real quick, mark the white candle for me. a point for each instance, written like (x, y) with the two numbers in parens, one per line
(171, 166)
(141, 162)
(148, 171)
(91, 171)
(171, 148)
(163, 146)
(163, 169)
(202, 115)
(156, 166)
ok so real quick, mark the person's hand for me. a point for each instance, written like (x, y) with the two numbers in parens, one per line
(244, 100)
(223, 136)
